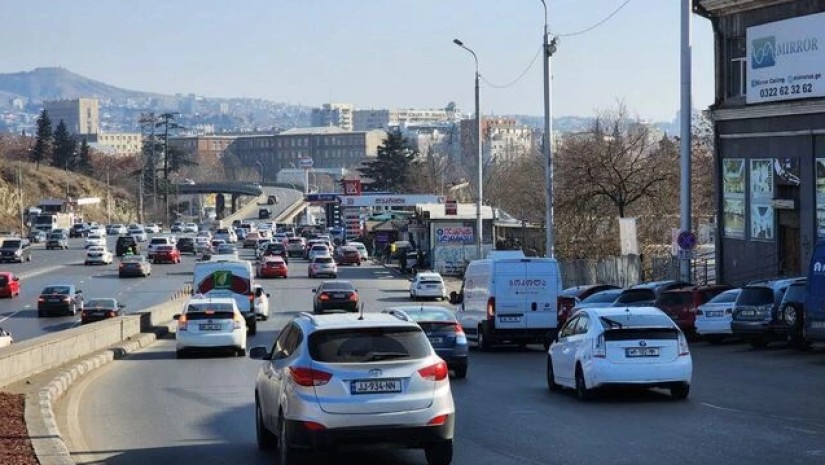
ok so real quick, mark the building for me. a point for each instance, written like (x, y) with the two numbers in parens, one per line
(213, 147)
(504, 140)
(333, 114)
(116, 143)
(365, 120)
(328, 147)
(81, 115)
(769, 118)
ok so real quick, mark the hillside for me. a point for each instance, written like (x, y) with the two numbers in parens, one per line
(60, 83)
(48, 182)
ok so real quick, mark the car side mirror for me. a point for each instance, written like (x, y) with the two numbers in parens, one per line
(314, 290)
(258, 353)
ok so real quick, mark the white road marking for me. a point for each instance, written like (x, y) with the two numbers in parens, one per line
(40, 271)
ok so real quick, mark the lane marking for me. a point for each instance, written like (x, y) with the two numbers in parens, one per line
(41, 271)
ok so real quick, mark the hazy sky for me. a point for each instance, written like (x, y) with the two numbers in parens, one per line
(372, 53)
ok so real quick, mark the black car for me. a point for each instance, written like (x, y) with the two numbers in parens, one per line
(15, 250)
(60, 298)
(757, 312)
(791, 312)
(57, 240)
(126, 242)
(335, 295)
(264, 214)
(187, 245)
(77, 230)
(444, 332)
(100, 309)
(645, 294)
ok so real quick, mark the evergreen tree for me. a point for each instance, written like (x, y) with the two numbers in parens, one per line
(390, 170)
(84, 161)
(63, 155)
(44, 139)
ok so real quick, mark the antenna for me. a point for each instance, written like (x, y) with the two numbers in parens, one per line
(361, 316)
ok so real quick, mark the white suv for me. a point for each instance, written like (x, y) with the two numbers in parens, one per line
(210, 324)
(343, 380)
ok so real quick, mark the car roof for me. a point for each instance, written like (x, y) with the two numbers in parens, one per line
(210, 300)
(773, 283)
(353, 320)
(621, 311)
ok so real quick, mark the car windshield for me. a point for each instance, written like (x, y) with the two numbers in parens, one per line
(134, 259)
(12, 244)
(360, 345)
(101, 303)
(635, 295)
(603, 297)
(56, 290)
(56, 236)
(756, 295)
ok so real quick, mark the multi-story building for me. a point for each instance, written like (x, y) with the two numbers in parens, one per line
(116, 143)
(333, 114)
(328, 147)
(504, 140)
(365, 120)
(81, 115)
(769, 119)
(211, 146)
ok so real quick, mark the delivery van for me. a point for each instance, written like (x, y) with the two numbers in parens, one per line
(509, 298)
(222, 277)
(813, 324)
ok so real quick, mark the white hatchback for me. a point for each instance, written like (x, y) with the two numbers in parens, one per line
(603, 347)
(210, 324)
(98, 255)
(427, 285)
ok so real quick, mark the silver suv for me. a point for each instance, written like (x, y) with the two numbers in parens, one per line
(343, 380)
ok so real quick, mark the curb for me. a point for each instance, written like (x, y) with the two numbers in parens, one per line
(41, 423)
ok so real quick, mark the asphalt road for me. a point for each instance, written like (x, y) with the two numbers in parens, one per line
(746, 407)
(19, 315)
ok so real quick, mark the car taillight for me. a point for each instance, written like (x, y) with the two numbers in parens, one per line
(110, 314)
(683, 345)
(314, 426)
(182, 323)
(353, 297)
(599, 347)
(122, 265)
(323, 296)
(491, 308)
(460, 337)
(41, 299)
(83, 314)
(309, 377)
(67, 299)
(435, 372)
(438, 421)
(237, 320)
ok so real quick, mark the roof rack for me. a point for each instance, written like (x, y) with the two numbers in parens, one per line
(310, 317)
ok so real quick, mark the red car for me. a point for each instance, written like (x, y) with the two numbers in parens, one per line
(272, 266)
(166, 254)
(9, 284)
(348, 256)
(681, 304)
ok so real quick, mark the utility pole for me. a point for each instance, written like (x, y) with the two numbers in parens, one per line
(685, 133)
(108, 194)
(548, 49)
(20, 197)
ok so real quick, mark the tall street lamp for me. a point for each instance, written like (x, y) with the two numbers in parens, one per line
(479, 198)
(548, 49)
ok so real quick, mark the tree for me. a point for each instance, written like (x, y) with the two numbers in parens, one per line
(44, 139)
(84, 161)
(391, 169)
(63, 155)
(430, 174)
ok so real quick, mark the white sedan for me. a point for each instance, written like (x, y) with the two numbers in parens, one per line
(427, 285)
(190, 228)
(98, 255)
(210, 324)
(620, 346)
(95, 240)
(152, 228)
(713, 318)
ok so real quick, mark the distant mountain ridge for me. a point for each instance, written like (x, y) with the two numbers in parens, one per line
(59, 83)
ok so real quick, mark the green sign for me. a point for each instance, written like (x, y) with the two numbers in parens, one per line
(222, 279)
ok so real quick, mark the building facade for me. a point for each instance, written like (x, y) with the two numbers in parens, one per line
(365, 120)
(81, 115)
(504, 140)
(333, 114)
(211, 146)
(769, 119)
(116, 143)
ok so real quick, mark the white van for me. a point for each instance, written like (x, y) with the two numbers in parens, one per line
(509, 298)
(228, 278)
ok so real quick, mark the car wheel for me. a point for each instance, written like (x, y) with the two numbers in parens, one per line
(266, 440)
(483, 342)
(794, 320)
(287, 455)
(461, 371)
(758, 342)
(680, 391)
(551, 376)
(581, 385)
(239, 352)
(439, 453)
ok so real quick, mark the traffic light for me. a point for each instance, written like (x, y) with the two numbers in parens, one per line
(333, 214)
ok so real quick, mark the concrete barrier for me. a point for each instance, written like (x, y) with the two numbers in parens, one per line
(33, 356)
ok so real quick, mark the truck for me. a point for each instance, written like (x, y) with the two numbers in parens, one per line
(48, 222)
(228, 277)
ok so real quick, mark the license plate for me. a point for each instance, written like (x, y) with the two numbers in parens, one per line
(747, 313)
(642, 352)
(714, 314)
(210, 327)
(375, 386)
(97, 313)
(510, 319)
(436, 340)
(339, 296)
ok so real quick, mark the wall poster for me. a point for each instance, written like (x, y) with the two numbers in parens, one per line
(733, 185)
(820, 197)
(761, 184)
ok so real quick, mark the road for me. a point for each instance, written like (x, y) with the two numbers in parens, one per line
(19, 315)
(747, 406)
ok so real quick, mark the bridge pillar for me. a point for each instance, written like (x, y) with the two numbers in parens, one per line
(235, 198)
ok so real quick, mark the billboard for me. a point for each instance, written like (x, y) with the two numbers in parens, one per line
(786, 59)
(455, 234)
(349, 201)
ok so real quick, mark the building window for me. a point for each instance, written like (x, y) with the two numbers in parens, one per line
(737, 67)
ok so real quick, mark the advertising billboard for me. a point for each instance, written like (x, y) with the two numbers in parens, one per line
(786, 59)
(388, 200)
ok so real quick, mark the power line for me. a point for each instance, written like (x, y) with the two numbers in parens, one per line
(604, 20)
(520, 76)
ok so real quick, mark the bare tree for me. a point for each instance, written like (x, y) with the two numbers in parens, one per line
(430, 173)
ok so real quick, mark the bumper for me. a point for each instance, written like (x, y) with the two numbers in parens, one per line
(11, 258)
(455, 358)
(164, 259)
(96, 261)
(758, 328)
(236, 339)
(710, 326)
(5, 291)
(272, 273)
(528, 335)
(329, 273)
(92, 319)
(347, 305)
(349, 262)
(600, 372)
(54, 308)
(431, 293)
(132, 273)
(370, 437)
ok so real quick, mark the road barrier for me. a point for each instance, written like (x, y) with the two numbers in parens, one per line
(291, 211)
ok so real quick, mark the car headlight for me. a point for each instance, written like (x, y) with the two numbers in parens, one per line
(18, 252)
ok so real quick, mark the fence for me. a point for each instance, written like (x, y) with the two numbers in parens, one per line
(620, 271)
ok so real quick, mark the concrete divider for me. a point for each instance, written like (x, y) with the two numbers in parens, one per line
(33, 356)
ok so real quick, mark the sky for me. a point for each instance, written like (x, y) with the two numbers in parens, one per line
(371, 53)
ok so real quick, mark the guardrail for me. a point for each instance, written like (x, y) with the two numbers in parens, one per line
(292, 211)
(247, 211)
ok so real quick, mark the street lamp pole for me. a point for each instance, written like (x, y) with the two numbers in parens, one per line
(479, 199)
(548, 48)
(261, 166)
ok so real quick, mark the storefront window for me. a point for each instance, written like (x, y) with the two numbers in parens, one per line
(762, 222)
(733, 172)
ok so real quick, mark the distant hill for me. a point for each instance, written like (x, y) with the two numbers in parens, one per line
(60, 83)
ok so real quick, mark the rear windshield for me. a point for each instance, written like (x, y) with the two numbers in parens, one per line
(159, 241)
(359, 345)
(186, 240)
(323, 260)
(134, 259)
(100, 303)
(210, 307)
(296, 241)
(431, 279)
(630, 320)
(636, 295)
(755, 296)
(56, 236)
(674, 299)
(430, 315)
(56, 290)
(604, 297)
(333, 286)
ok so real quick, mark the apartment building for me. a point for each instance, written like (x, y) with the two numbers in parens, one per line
(116, 143)
(333, 114)
(81, 115)
(504, 140)
(365, 120)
